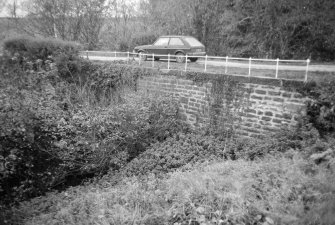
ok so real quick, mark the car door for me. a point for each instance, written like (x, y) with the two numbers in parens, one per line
(176, 44)
(160, 47)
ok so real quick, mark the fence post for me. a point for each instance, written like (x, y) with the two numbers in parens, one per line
(153, 60)
(306, 75)
(127, 56)
(169, 61)
(277, 68)
(86, 54)
(206, 63)
(249, 67)
(115, 54)
(226, 68)
(185, 63)
(139, 58)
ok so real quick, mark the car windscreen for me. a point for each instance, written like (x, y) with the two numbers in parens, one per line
(193, 42)
(162, 42)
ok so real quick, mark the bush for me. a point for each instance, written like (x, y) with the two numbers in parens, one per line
(321, 110)
(271, 191)
(51, 134)
(47, 140)
(28, 163)
(96, 140)
(303, 138)
(176, 152)
(28, 50)
(39, 48)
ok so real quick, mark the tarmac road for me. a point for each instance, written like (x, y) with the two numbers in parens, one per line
(258, 65)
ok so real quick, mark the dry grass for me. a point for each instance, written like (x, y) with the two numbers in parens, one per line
(272, 191)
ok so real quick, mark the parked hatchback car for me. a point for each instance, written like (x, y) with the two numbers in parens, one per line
(177, 46)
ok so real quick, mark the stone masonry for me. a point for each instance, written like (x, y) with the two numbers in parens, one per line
(268, 107)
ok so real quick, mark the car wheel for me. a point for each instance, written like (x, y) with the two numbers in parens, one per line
(193, 59)
(141, 56)
(180, 57)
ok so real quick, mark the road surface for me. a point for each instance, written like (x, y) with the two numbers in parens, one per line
(254, 65)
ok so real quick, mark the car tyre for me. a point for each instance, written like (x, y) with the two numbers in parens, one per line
(180, 57)
(193, 59)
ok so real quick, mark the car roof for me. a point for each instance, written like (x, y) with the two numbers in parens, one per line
(177, 36)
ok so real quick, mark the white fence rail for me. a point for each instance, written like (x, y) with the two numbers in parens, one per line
(223, 63)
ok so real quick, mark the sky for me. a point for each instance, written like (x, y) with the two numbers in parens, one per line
(4, 12)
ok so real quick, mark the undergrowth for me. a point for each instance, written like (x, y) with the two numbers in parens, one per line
(280, 190)
(64, 119)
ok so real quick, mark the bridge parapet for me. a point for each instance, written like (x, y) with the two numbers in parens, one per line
(251, 107)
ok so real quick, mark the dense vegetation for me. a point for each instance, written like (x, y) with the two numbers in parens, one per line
(248, 28)
(65, 120)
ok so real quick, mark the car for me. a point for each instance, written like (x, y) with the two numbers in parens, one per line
(174, 45)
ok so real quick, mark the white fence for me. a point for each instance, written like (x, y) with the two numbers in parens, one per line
(221, 64)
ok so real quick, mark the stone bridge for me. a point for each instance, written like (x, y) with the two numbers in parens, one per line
(252, 106)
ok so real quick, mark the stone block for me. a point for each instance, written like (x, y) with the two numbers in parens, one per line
(261, 92)
(277, 121)
(256, 97)
(268, 113)
(250, 111)
(248, 115)
(286, 95)
(274, 93)
(265, 118)
(278, 99)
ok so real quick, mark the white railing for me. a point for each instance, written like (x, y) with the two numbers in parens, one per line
(226, 62)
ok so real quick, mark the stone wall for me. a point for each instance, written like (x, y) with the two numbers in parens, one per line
(264, 107)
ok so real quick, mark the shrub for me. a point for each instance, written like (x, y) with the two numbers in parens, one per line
(303, 138)
(176, 152)
(321, 110)
(272, 191)
(39, 48)
(49, 137)
(93, 141)
(28, 164)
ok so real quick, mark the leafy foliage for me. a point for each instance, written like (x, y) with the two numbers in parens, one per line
(34, 48)
(50, 131)
(176, 152)
(28, 162)
(272, 191)
(320, 111)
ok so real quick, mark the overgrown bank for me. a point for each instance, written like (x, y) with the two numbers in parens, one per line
(65, 119)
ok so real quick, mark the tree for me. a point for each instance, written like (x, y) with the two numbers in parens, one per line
(74, 20)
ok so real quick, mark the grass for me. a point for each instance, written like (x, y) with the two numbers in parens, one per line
(282, 190)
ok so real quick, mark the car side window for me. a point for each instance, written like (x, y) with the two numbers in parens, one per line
(176, 41)
(162, 42)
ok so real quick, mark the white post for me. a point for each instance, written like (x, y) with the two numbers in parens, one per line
(226, 68)
(277, 68)
(86, 54)
(185, 63)
(206, 63)
(153, 60)
(249, 66)
(115, 54)
(127, 56)
(169, 61)
(306, 75)
(139, 58)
